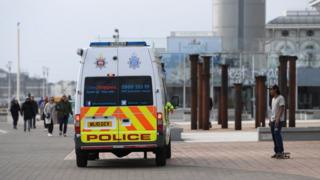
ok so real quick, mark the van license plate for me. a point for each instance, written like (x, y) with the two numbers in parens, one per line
(100, 124)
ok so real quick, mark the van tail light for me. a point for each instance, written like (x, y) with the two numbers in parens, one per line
(160, 122)
(77, 124)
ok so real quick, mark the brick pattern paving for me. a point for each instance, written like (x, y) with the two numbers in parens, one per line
(305, 157)
(35, 156)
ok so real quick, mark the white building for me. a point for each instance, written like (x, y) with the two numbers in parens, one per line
(60, 88)
(298, 33)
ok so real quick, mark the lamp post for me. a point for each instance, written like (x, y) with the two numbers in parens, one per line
(18, 63)
(45, 71)
(116, 36)
(9, 82)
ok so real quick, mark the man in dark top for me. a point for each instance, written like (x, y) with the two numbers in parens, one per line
(15, 109)
(27, 111)
(35, 110)
(64, 109)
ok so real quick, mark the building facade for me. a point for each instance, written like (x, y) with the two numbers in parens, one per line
(298, 33)
(28, 85)
(61, 88)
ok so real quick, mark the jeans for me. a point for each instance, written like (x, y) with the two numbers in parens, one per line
(63, 124)
(27, 123)
(50, 127)
(277, 137)
(34, 122)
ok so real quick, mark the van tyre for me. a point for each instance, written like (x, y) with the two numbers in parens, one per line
(161, 156)
(169, 150)
(82, 158)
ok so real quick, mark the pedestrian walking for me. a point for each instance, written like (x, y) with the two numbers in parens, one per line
(49, 113)
(15, 109)
(277, 120)
(35, 110)
(63, 109)
(27, 111)
(42, 104)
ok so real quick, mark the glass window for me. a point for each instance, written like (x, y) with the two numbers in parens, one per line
(135, 91)
(310, 33)
(285, 33)
(118, 91)
(101, 91)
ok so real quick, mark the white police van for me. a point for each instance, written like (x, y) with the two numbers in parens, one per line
(120, 103)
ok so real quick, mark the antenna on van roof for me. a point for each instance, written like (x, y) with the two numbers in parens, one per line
(116, 36)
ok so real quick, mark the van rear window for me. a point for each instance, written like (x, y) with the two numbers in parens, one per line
(118, 91)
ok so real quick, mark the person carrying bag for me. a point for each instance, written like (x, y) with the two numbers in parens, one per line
(48, 112)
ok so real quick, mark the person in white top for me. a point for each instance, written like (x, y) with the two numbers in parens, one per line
(48, 112)
(277, 120)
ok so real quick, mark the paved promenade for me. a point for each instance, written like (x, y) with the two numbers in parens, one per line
(34, 155)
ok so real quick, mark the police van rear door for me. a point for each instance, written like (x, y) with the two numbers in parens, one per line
(100, 96)
(137, 110)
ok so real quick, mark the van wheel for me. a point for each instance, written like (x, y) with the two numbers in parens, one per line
(169, 150)
(82, 158)
(161, 156)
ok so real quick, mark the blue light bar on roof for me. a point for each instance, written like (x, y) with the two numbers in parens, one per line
(100, 44)
(138, 43)
(115, 44)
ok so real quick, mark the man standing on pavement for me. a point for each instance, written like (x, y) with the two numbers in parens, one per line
(277, 120)
(35, 110)
(64, 109)
(27, 111)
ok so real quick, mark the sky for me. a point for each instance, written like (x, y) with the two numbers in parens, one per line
(52, 30)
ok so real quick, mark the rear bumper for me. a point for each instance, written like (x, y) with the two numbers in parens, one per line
(115, 147)
(127, 146)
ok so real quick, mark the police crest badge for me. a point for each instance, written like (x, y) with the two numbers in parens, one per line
(134, 62)
(100, 62)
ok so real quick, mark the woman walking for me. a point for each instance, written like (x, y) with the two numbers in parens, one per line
(42, 115)
(49, 113)
(15, 109)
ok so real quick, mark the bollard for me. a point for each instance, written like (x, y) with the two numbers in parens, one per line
(224, 96)
(194, 87)
(292, 91)
(261, 101)
(199, 95)
(238, 106)
(283, 82)
(206, 92)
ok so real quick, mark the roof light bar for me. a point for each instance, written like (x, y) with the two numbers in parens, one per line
(116, 44)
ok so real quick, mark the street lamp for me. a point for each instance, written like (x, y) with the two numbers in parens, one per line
(9, 82)
(18, 63)
(116, 37)
(45, 71)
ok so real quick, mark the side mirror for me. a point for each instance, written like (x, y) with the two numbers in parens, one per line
(175, 101)
(80, 52)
